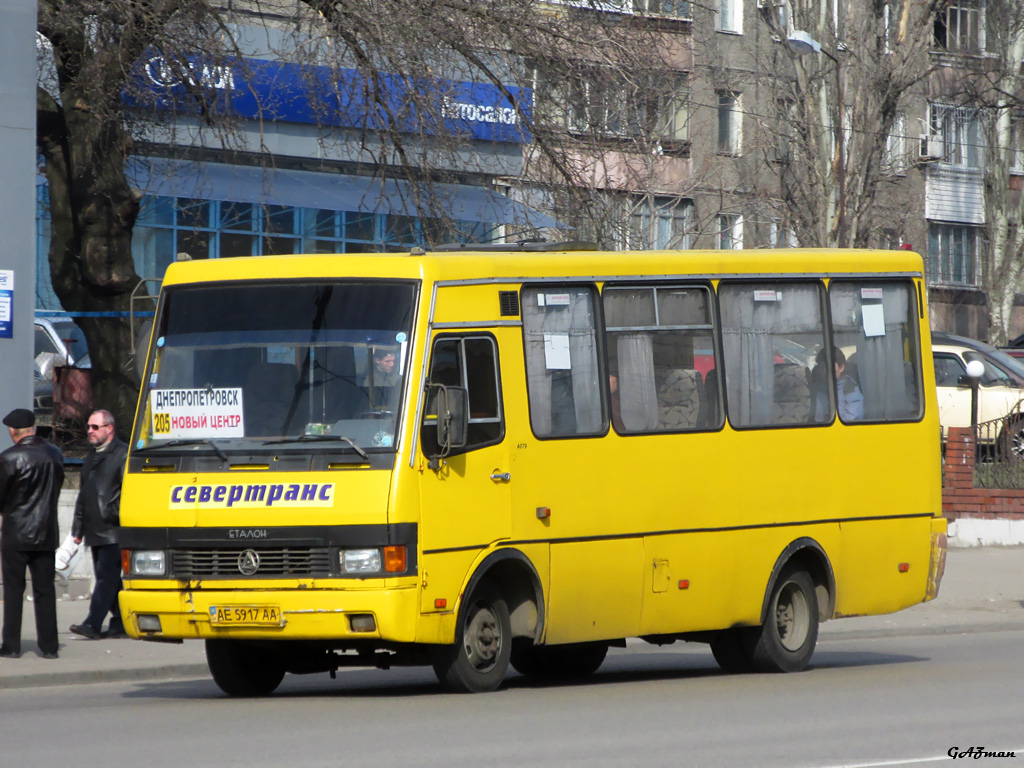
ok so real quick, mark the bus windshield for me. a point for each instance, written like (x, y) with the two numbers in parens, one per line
(284, 364)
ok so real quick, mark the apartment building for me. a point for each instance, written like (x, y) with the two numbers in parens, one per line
(653, 124)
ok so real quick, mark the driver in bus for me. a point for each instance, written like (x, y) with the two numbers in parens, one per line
(385, 373)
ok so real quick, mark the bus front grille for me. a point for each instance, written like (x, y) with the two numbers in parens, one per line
(256, 563)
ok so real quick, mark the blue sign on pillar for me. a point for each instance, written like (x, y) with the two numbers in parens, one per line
(6, 303)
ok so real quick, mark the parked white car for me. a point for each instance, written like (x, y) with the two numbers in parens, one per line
(1000, 391)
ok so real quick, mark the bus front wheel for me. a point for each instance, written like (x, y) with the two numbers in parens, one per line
(243, 669)
(786, 641)
(479, 659)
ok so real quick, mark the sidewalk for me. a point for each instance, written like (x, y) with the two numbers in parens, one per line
(983, 591)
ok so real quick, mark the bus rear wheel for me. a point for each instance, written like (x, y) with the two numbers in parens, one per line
(785, 643)
(479, 659)
(566, 662)
(244, 669)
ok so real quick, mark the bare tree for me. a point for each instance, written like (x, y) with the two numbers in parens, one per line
(604, 138)
(999, 91)
(836, 116)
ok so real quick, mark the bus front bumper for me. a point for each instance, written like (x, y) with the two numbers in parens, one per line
(387, 614)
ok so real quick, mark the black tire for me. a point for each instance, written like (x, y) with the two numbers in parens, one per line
(558, 662)
(244, 669)
(729, 650)
(478, 661)
(1011, 442)
(786, 641)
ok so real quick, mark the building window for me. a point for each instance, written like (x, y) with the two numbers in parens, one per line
(953, 253)
(210, 229)
(600, 101)
(782, 237)
(730, 231)
(892, 18)
(960, 28)
(729, 17)
(1016, 143)
(676, 9)
(660, 223)
(959, 128)
(730, 123)
(894, 158)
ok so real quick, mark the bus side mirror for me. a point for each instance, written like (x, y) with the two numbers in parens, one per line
(452, 418)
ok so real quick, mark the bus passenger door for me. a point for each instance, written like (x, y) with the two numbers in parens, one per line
(465, 500)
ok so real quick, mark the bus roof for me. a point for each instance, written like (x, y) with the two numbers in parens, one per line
(519, 266)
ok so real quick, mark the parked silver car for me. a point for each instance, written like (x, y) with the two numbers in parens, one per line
(57, 342)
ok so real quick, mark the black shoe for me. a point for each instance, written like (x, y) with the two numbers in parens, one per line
(49, 655)
(86, 631)
(114, 634)
(7, 653)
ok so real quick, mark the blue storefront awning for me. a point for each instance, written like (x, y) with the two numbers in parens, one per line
(308, 189)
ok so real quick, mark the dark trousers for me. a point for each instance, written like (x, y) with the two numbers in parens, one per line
(40, 565)
(106, 564)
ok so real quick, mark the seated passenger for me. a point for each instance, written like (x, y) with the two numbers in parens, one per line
(849, 399)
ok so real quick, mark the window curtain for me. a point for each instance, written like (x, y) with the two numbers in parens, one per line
(750, 323)
(886, 372)
(638, 396)
(564, 400)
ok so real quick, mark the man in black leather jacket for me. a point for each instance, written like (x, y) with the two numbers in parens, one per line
(97, 517)
(31, 475)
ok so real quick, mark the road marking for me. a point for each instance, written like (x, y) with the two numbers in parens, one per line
(910, 761)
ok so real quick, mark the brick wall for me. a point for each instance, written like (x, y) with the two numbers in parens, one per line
(960, 499)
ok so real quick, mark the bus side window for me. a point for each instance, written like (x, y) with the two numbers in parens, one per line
(875, 323)
(470, 362)
(659, 340)
(771, 332)
(563, 373)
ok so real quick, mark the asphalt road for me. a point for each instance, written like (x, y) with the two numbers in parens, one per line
(885, 701)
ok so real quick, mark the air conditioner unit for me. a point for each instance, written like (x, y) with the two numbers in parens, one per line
(931, 148)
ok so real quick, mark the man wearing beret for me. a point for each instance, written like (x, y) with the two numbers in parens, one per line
(31, 475)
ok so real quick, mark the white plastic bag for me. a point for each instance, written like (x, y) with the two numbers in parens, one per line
(68, 555)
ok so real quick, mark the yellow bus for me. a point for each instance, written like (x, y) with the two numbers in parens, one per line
(520, 456)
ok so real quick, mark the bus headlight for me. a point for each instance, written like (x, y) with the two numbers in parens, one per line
(148, 562)
(360, 561)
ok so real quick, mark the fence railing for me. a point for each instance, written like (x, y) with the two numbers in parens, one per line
(999, 451)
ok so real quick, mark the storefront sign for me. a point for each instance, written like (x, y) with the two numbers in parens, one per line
(289, 92)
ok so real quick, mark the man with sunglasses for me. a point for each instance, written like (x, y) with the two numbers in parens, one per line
(97, 517)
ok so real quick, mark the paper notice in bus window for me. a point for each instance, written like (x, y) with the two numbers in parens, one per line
(874, 320)
(197, 413)
(871, 293)
(767, 296)
(558, 299)
(556, 351)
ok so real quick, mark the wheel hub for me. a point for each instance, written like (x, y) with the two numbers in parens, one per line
(483, 639)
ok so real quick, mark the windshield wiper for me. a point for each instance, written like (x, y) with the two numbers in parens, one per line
(197, 441)
(322, 439)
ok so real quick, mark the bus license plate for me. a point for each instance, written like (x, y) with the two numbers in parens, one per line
(236, 615)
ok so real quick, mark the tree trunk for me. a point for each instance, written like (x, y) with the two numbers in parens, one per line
(92, 209)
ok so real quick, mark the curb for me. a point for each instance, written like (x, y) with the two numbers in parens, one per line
(959, 629)
(86, 677)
